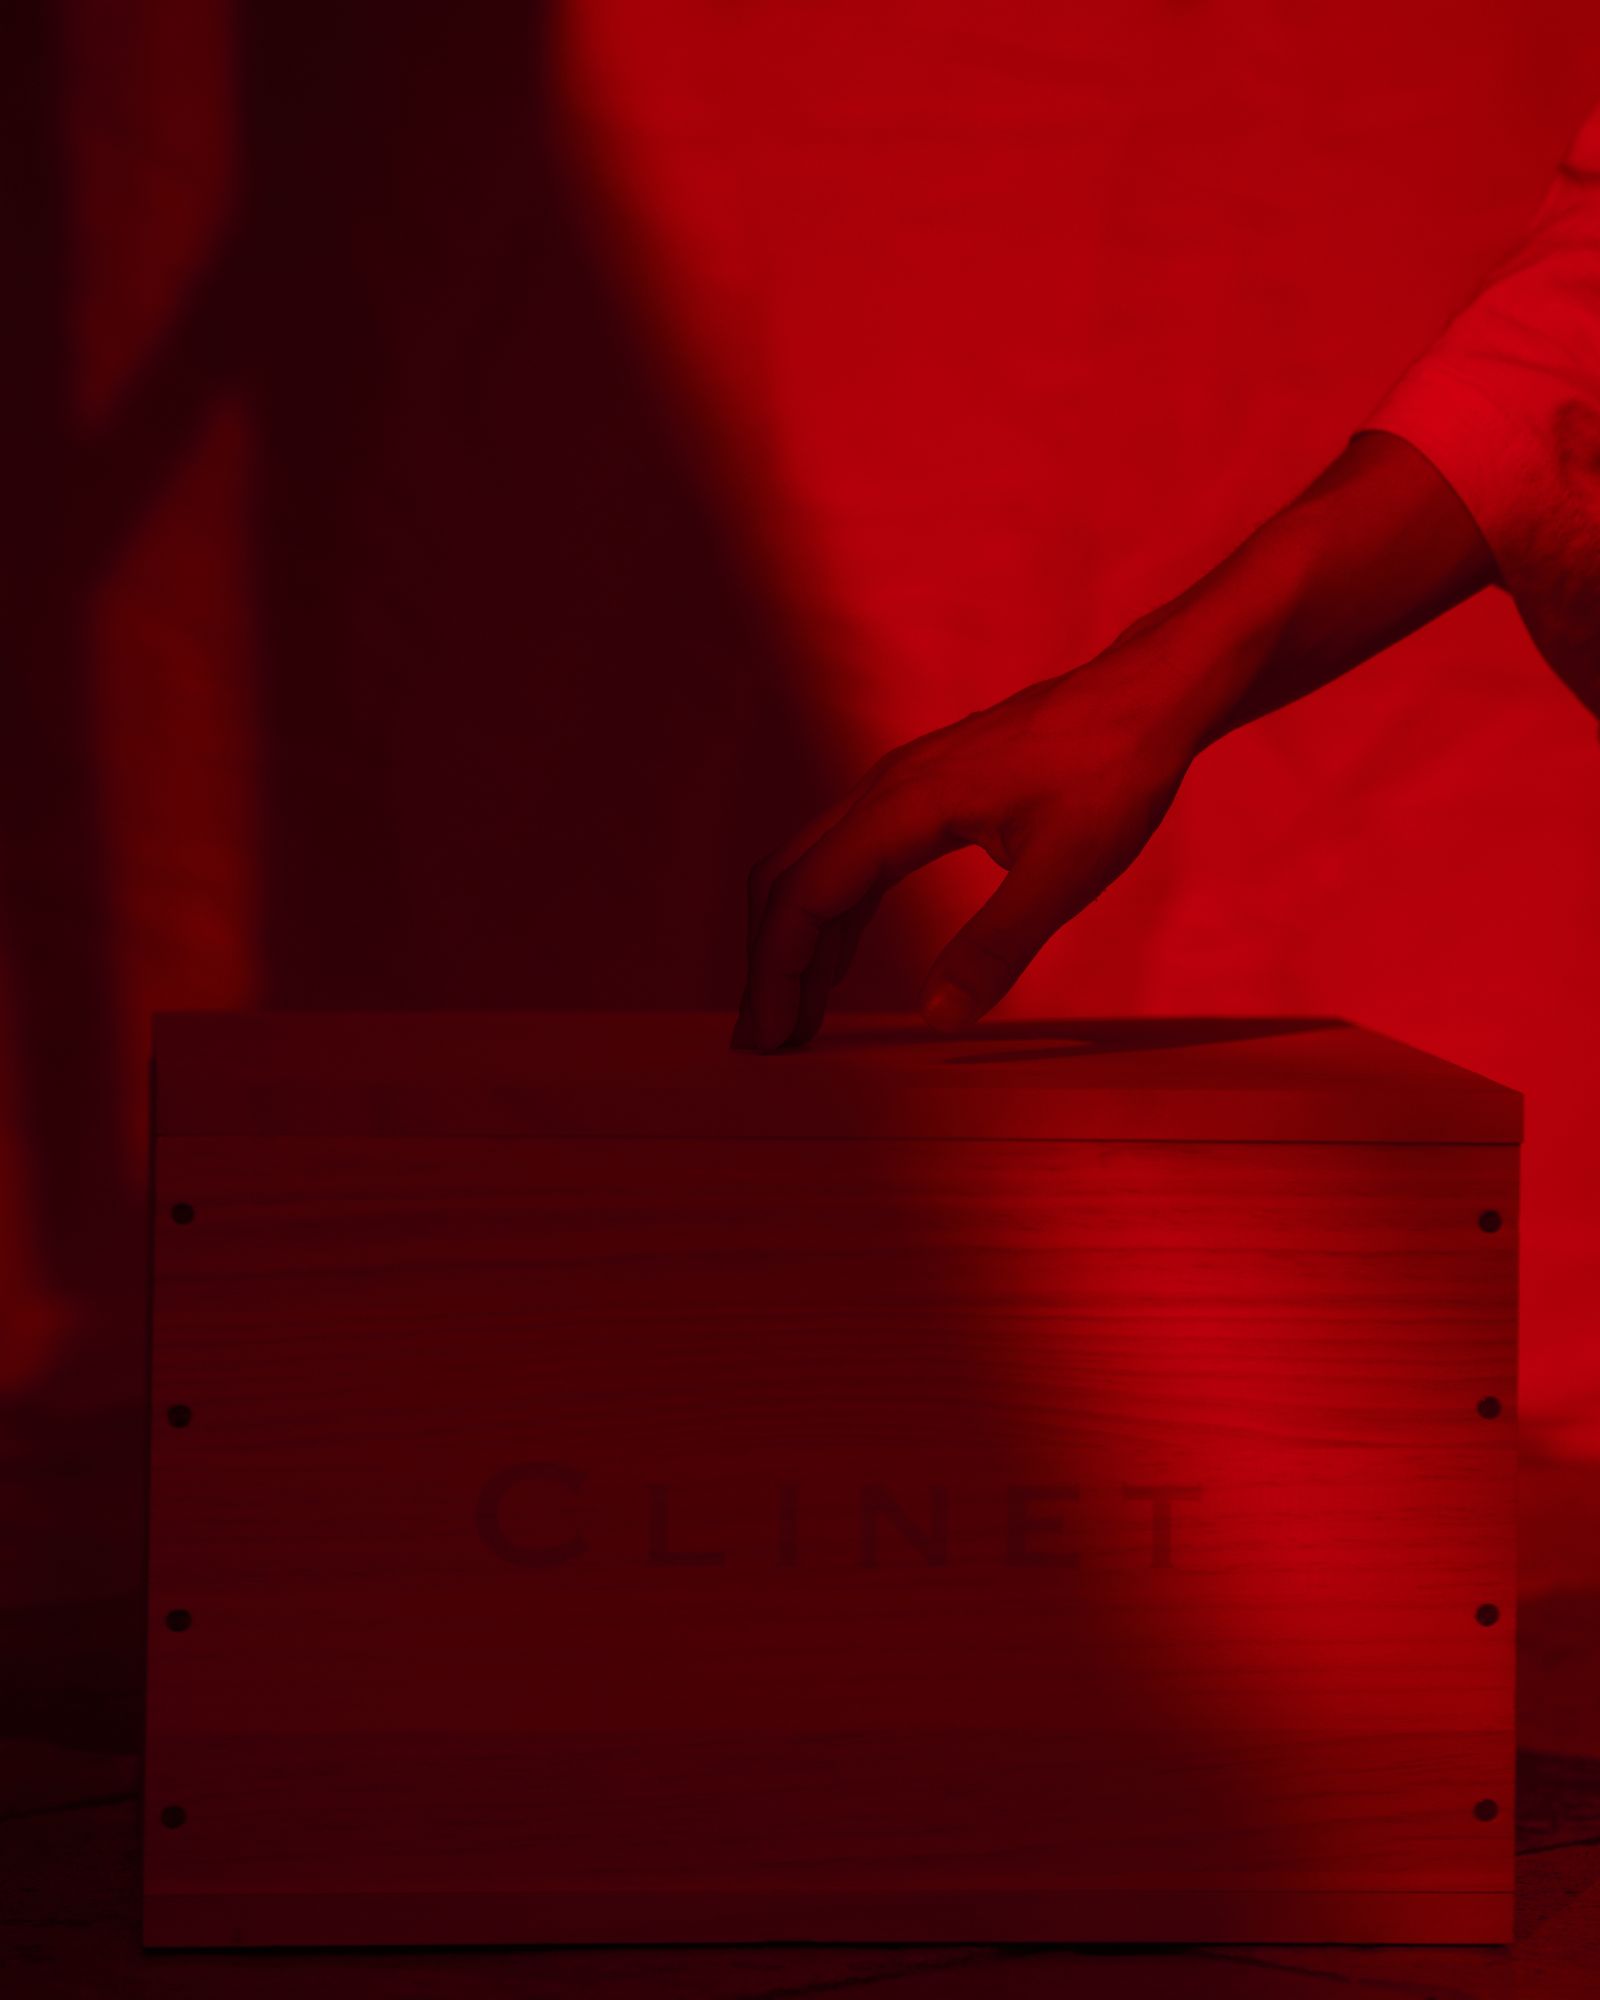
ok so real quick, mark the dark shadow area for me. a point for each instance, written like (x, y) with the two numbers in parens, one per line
(511, 665)
(55, 921)
(73, 1479)
(514, 666)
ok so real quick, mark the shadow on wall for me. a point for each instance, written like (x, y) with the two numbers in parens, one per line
(514, 672)
(511, 670)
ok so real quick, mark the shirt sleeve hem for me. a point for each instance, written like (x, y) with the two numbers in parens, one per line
(1497, 465)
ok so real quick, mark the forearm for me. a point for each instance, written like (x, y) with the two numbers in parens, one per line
(1377, 547)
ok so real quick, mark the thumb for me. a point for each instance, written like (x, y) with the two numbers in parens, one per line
(984, 960)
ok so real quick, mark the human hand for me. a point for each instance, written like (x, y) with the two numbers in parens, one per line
(1064, 783)
(1061, 784)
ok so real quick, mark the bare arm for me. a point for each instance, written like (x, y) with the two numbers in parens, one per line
(1064, 782)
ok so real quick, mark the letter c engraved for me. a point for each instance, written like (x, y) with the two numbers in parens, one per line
(526, 1555)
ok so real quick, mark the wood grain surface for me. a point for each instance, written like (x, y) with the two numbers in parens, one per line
(589, 1538)
(868, 1076)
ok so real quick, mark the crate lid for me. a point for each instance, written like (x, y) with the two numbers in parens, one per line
(868, 1076)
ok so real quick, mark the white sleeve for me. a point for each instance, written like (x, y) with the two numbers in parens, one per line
(1506, 405)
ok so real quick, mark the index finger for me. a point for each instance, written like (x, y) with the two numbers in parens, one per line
(759, 887)
(875, 844)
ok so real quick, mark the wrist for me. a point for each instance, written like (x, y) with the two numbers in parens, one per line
(1188, 669)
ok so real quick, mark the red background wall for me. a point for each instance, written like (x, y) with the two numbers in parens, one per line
(478, 475)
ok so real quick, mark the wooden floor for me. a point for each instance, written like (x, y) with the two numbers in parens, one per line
(68, 1877)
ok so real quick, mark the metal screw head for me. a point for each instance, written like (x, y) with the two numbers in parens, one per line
(1486, 1809)
(178, 1414)
(173, 1815)
(180, 1621)
(1487, 1614)
(1489, 1221)
(1489, 1406)
(183, 1211)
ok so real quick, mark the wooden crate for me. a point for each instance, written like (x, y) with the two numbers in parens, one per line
(1053, 1483)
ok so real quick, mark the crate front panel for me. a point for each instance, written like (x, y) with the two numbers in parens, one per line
(601, 1521)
